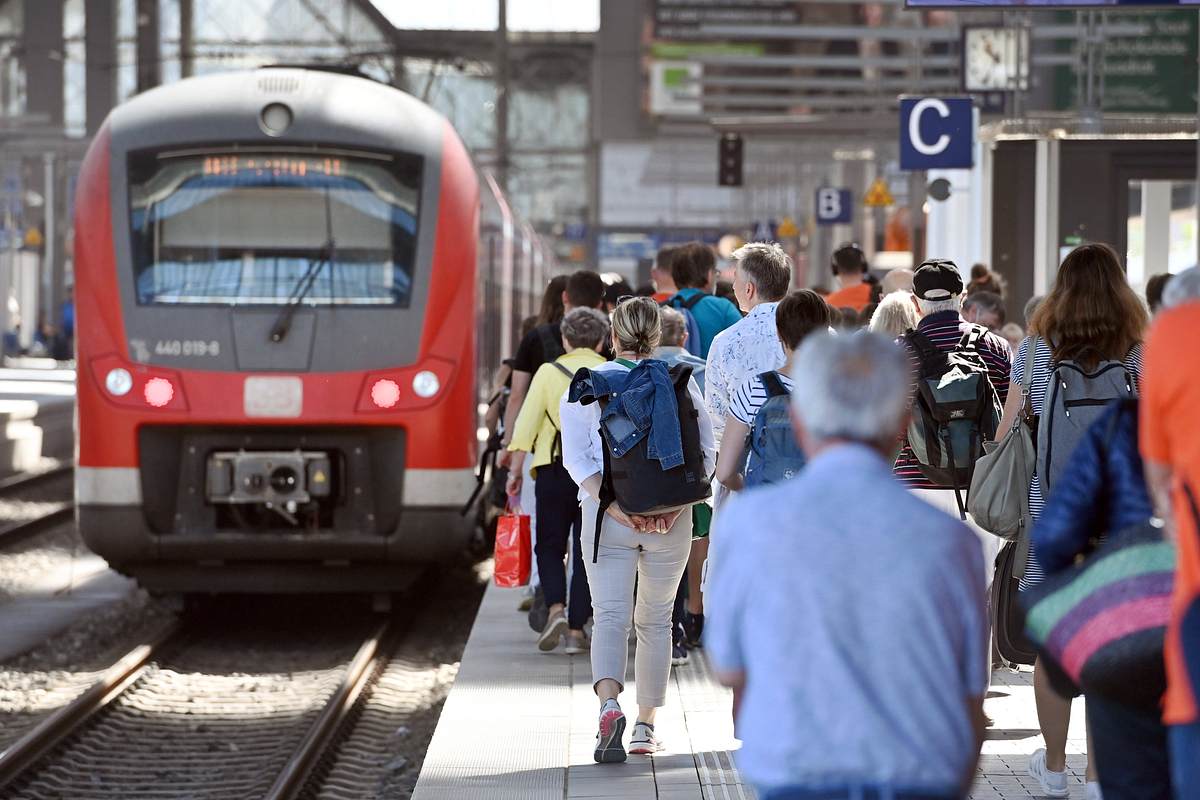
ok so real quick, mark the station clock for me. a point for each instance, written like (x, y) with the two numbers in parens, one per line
(995, 59)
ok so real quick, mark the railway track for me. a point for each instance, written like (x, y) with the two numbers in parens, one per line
(56, 513)
(178, 717)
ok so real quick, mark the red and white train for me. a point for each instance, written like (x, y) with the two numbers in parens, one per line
(293, 287)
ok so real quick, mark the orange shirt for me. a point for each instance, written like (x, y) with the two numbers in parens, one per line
(856, 297)
(662, 297)
(1169, 435)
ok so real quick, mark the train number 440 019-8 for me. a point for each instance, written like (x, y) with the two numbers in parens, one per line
(186, 347)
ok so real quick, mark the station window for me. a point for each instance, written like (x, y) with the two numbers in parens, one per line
(259, 227)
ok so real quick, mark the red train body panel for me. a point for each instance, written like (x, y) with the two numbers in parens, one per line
(349, 468)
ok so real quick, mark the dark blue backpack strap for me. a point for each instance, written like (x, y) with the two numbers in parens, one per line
(773, 385)
(692, 301)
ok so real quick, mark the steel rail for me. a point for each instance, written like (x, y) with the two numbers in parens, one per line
(26, 751)
(295, 773)
(23, 481)
(18, 531)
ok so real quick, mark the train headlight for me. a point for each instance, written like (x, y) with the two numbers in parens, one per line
(118, 382)
(426, 384)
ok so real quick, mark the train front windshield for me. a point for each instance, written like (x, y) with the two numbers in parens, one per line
(266, 228)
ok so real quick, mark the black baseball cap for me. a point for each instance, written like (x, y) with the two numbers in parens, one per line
(937, 279)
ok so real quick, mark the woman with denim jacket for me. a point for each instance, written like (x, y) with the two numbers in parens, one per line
(651, 551)
(1103, 491)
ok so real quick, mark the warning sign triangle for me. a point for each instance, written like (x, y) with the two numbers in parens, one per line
(787, 227)
(878, 195)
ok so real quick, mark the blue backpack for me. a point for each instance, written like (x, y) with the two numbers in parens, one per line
(694, 343)
(775, 455)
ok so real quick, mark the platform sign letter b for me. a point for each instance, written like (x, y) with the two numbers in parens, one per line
(833, 206)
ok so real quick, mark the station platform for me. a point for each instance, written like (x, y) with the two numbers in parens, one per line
(521, 724)
(37, 417)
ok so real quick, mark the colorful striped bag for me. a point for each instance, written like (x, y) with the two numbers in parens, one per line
(1103, 620)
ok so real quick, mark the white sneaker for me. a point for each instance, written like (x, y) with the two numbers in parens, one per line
(1053, 784)
(1091, 791)
(644, 742)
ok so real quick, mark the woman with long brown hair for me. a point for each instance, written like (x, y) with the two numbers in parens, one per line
(1091, 315)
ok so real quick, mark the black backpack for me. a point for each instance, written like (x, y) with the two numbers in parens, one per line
(638, 483)
(954, 412)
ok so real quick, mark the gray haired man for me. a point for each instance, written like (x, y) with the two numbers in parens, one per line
(846, 613)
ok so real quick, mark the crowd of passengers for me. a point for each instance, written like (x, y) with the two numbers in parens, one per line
(844, 590)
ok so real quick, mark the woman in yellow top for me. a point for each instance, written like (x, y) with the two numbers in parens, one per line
(584, 332)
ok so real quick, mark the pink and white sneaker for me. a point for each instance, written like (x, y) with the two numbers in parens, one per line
(609, 749)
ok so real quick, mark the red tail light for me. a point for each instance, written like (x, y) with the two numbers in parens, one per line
(158, 392)
(385, 393)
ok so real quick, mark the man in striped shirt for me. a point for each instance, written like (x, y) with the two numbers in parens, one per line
(938, 293)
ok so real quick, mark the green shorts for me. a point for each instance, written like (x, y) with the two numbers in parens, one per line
(702, 514)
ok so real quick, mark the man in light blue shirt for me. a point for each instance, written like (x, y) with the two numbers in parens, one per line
(846, 613)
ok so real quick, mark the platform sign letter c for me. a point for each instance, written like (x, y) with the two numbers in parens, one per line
(937, 133)
(914, 126)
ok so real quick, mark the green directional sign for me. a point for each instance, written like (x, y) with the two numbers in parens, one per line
(1151, 74)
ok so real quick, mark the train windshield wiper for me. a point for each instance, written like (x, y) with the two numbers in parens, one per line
(283, 323)
(326, 255)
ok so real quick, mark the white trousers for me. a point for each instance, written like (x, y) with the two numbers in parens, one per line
(657, 562)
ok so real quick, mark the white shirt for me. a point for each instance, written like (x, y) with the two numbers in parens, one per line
(582, 449)
(739, 352)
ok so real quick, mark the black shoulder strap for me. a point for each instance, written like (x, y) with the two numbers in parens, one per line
(606, 498)
(927, 353)
(969, 342)
(773, 384)
(691, 302)
(562, 369)
(680, 374)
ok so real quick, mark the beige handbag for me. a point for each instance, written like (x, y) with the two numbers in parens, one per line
(999, 496)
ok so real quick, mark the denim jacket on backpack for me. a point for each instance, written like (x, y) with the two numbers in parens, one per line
(636, 398)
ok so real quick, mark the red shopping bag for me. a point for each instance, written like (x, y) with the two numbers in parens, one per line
(514, 550)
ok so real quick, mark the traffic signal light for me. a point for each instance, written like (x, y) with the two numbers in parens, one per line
(729, 169)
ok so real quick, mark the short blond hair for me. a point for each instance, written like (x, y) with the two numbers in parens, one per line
(895, 315)
(637, 325)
